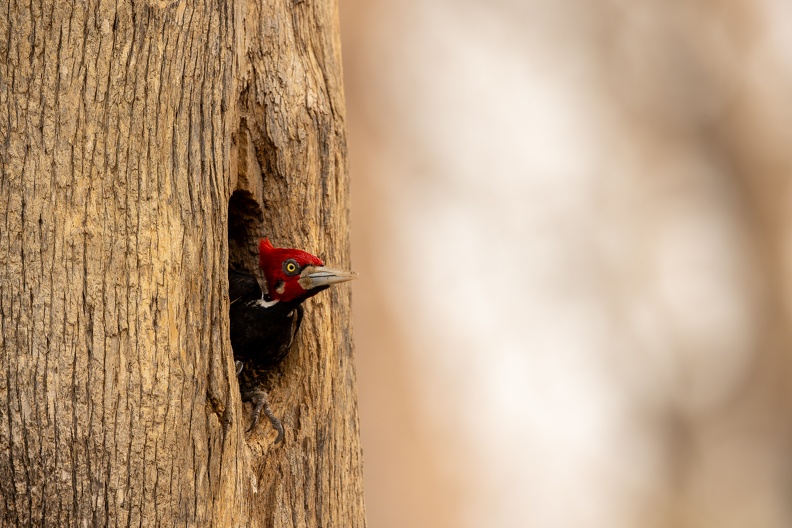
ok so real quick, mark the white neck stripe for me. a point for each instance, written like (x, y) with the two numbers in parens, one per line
(266, 304)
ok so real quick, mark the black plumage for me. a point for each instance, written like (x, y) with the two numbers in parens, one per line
(262, 333)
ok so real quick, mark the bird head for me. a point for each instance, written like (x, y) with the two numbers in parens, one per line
(295, 275)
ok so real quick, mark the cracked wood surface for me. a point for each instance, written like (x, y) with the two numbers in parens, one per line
(124, 129)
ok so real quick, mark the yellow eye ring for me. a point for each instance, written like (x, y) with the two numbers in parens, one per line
(291, 267)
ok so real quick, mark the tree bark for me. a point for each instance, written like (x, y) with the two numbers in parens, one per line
(125, 128)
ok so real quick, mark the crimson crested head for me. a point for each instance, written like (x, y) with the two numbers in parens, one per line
(295, 275)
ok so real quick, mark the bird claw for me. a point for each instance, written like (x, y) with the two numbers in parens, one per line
(261, 402)
(276, 424)
(239, 366)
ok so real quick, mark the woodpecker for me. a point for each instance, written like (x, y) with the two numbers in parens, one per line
(263, 325)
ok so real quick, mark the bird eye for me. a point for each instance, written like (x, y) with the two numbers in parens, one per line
(291, 267)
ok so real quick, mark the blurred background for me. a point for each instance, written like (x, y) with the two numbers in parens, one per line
(570, 220)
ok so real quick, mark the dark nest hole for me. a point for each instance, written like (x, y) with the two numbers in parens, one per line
(245, 227)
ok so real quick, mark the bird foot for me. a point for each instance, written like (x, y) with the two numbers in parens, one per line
(261, 403)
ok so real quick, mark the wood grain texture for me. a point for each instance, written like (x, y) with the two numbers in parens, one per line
(124, 129)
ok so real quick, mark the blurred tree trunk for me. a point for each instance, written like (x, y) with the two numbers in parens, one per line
(125, 128)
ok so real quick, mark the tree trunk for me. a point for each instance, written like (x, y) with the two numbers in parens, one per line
(125, 129)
